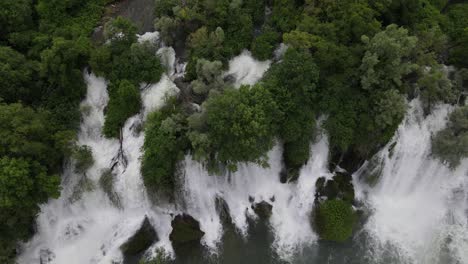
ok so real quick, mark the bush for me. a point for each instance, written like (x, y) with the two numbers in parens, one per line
(241, 125)
(451, 144)
(334, 220)
(264, 45)
(165, 144)
(124, 102)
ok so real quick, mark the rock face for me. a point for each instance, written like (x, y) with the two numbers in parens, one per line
(185, 229)
(262, 209)
(143, 238)
(340, 187)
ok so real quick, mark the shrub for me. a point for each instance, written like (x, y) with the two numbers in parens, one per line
(334, 220)
(451, 144)
(124, 102)
(164, 147)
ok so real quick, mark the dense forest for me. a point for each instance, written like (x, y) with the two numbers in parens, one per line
(354, 64)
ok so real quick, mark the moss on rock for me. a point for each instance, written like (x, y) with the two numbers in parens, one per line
(334, 220)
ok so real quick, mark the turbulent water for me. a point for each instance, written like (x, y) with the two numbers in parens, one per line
(417, 210)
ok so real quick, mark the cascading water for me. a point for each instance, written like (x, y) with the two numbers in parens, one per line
(419, 206)
(292, 202)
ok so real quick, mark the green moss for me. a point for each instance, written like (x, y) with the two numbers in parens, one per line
(334, 220)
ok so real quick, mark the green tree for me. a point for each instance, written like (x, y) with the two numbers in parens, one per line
(124, 102)
(240, 125)
(451, 144)
(121, 33)
(386, 60)
(16, 77)
(15, 15)
(264, 45)
(167, 27)
(293, 85)
(164, 146)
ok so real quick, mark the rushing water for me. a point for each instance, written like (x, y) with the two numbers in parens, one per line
(417, 210)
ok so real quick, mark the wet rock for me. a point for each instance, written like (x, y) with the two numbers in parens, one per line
(339, 187)
(185, 229)
(46, 256)
(350, 160)
(223, 209)
(143, 238)
(263, 209)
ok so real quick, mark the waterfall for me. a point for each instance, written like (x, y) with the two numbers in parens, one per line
(419, 206)
(90, 228)
(292, 202)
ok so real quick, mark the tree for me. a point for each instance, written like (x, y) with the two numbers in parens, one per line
(16, 77)
(390, 108)
(164, 146)
(240, 125)
(205, 44)
(264, 45)
(435, 86)
(385, 61)
(29, 134)
(451, 144)
(124, 102)
(62, 64)
(167, 27)
(209, 76)
(15, 15)
(292, 83)
(121, 33)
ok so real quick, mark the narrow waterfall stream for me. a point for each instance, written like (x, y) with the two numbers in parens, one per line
(418, 208)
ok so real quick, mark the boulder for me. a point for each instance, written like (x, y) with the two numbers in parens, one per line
(143, 238)
(263, 209)
(185, 229)
(339, 187)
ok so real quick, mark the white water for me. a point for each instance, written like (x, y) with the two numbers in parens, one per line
(416, 206)
(247, 70)
(90, 228)
(292, 202)
(419, 205)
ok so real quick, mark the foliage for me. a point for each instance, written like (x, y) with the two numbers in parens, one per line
(164, 147)
(121, 33)
(167, 27)
(385, 62)
(292, 83)
(240, 125)
(451, 144)
(123, 58)
(16, 76)
(208, 77)
(334, 220)
(124, 102)
(15, 15)
(458, 32)
(264, 44)
(435, 86)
